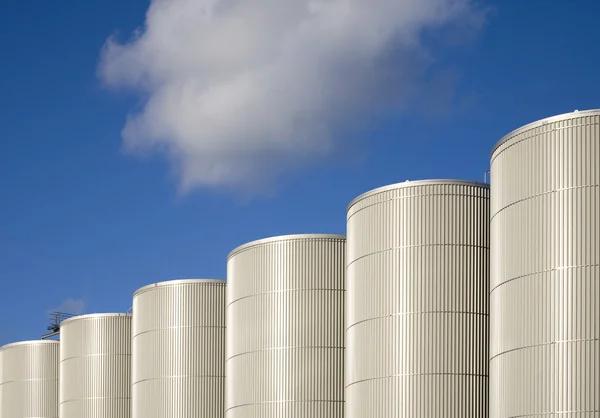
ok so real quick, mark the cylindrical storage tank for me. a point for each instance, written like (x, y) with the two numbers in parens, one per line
(178, 348)
(285, 328)
(417, 323)
(29, 379)
(545, 275)
(95, 366)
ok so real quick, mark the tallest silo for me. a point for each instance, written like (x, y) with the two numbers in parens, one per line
(545, 274)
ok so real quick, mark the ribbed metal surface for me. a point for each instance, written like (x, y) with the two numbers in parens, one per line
(285, 334)
(417, 322)
(545, 277)
(95, 366)
(29, 379)
(178, 349)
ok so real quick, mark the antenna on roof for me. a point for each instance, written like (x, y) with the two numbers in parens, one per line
(55, 319)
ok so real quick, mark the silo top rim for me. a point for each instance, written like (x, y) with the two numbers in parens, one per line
(176, 282)
(92, 316)
(29, 342)
(412, 184)
(555, 118)
(283, 238)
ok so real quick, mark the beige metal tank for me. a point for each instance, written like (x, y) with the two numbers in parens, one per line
(178, 350)
(417, 283)
(285, 328)
(29, 379)
(95, 366)
(545, 276)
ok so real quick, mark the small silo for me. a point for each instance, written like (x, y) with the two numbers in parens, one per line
(545, 275)
(29, 379)
(285, 328)
(417, 301)
(178, 348)
(95, 366)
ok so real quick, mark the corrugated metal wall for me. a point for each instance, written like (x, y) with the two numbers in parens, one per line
(545, 280)
(417, 301)
(95, 366)
(29, 379)
(178, 349)
(285, 328)
(425, 317)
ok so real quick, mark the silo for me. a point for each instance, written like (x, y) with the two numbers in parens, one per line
(29, 379)
(417, 323)
(178, 348)
(545, 275)
(285, 334)
(95, 366)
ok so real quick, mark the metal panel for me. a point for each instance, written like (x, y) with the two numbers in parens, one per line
(285, 328)
(178, 349)
(29, 379)
(417, 322)
(95, 366)
(545, 276)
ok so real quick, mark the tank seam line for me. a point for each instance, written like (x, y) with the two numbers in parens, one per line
(39, 379)
(210, 376)
(416, 374)
(94, 398)
(284, 401)
(293, 347)
(416, 313)
(542, 271)
(578, 340)
(585, 186)
(94, 355)
(402, 247)
(539, 414)
(176, 327)
(282, 291)
(418, 195)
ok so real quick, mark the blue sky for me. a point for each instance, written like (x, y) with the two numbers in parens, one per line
(81, 219)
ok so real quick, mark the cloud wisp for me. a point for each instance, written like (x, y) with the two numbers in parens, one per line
(237, 92)
(70, 306)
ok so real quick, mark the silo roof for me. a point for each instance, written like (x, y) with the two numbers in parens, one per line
(550, 119)
(412, 183)
(176, 282)
(29, 342)
(91, 316)
(283, 238)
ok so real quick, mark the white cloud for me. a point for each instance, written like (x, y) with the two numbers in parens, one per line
(71, 306)
(239, 91)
